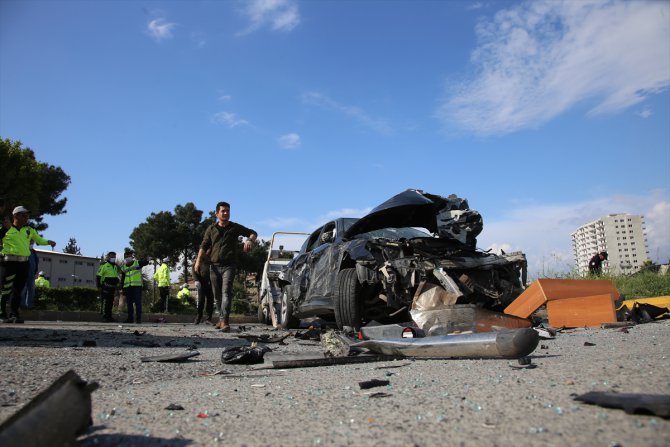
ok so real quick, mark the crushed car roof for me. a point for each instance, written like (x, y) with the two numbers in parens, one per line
(408, 209)
(448, 217)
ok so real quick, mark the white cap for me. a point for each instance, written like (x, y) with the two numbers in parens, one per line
(20, 209)
(41, 274)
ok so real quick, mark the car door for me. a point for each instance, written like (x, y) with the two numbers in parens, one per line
(300, 269)
(319, 261)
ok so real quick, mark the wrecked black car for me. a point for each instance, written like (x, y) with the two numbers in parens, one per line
(359, 270)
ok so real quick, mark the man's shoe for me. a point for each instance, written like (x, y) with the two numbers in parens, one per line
(225, 327)
(197, 320)
(14, 319)
(218, 325)
(108, 320)
(138, 322)
(129, 321)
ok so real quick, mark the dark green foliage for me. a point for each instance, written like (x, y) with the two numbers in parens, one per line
(68, 299)
(31, 183)
(253, 261)
(643, 285)
(72, 247)
(175, 236)
(241, 303)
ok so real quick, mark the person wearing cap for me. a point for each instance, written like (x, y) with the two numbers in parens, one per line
(221, 240)
(16, 252)
(131, 278)
(162, 278)
(596, 263)
(107, 280)
(41, 282)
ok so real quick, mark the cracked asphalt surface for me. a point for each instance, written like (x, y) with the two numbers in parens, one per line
(465, 402)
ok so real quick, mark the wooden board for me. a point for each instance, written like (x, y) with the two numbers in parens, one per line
(545, 290)
(581, 311)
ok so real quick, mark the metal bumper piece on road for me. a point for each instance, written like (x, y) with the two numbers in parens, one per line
(502, 344)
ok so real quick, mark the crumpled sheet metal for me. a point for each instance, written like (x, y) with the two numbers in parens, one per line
(510, 344)
(54, 418)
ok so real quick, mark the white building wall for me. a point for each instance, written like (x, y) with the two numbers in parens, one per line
(620, 235)
(66, 270)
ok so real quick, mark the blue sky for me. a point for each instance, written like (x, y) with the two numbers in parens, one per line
(544, 115)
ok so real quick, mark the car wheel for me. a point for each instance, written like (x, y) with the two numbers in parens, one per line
(285, 319)
(347, 302)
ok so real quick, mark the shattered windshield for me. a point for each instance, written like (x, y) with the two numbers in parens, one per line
(393, 234)
(348, 222)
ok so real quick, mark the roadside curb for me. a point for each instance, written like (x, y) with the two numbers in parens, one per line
(87, 316)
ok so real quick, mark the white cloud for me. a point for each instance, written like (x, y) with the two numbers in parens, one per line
(278, 15)
(229, 119)
(289, 141)
(345, 212)
(323, 101)
(645, 113)
(310, 224)
(160, 29)
(543, 232)
(286, 224)
(225, 98)
(542, 58)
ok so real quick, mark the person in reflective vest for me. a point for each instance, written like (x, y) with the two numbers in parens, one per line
(184, 294)
(16, 252)
(162, 278)
(107, 280)
(42, 282)
(131, 278)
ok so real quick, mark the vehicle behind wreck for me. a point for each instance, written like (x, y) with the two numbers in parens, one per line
(373, 268)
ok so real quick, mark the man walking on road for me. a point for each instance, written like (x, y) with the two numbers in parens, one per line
(221, 239)
(16, 252)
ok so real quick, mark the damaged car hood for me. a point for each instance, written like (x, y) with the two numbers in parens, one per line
(448, 217)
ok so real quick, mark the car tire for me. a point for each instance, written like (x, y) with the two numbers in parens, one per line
(347, 301)
(285, 319)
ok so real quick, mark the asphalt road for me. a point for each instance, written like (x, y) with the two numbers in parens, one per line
(460, 402)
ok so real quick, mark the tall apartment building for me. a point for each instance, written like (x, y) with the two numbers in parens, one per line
(620, 235)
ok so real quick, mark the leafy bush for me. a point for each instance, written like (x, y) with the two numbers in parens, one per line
(68, 299)
(240, 297)
(643, 285)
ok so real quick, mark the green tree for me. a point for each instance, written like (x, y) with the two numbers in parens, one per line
(254, 261)
(175, 236)
(190, 229)
(156, 237)
(36, 185)
(72, 247)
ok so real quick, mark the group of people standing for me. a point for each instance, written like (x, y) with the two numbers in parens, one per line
(214, 270)
(128, 274)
